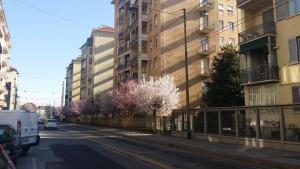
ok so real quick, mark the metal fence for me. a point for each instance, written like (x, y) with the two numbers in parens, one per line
(281, 123)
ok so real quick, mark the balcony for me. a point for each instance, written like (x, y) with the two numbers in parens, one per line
(206, 5)
(263, 73)
(123, 49)
(253, 5)
(205, 28)
(207, 50)
(257, 32)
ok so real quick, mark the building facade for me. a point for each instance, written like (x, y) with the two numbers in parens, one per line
(270, 55)
(86, 86)
(11, 97)
(73, 78)
(8, 75)
(210, 25)
(131, 29)
(103, 50)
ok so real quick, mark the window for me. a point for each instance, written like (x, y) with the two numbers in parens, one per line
(296, 94)
(155, 20)
(230, 10)
(155, 44)
(286, 8)
(150, 25)
(221, 9)
(221, 41)
(144, 46)
(231, 41)
(155, 63)
(144, 27)
(144, 8)
(204, 65)
(204, 43)
(263, 95)
(90, 60)
(294, 50)
(220, 24)
(230, 26)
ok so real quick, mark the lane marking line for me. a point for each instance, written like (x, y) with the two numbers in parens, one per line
(33, 163)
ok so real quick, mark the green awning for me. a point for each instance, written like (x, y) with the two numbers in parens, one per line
(254, 45)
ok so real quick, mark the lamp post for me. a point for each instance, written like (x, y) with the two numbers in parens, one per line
(187, 93)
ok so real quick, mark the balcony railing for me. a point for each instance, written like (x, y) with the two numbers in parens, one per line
(205, 28)
(123, 49)
(207, 49)
(257, 32)
(259, 74)
(207, 5)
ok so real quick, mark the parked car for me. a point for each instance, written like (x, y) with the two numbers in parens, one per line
(25, 124)
(10, 141)
(5, 160)
(51, 124)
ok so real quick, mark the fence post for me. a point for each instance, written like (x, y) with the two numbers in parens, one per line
(219, 125)
(257, 126)
(193, 122)
(182, 122)
(205, 121)
(237, 129)
(282, 127)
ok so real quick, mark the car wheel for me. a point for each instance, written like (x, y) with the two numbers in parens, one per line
(25, 150)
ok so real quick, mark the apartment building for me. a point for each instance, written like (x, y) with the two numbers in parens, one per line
(11, 97)
(86, 81)
(130, 53)
(73, 78)
(210, 25)
(103, 50)
(8, 75)
(270, 51)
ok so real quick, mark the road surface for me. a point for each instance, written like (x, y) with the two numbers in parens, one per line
(69, 148)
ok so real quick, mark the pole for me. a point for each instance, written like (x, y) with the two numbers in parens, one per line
(186, 78)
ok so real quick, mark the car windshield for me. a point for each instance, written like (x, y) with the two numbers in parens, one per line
(52, 120)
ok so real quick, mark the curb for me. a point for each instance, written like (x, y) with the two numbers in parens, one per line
(258, 161)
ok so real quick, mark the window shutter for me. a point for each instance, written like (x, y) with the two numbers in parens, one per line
(293, 50)
(296, 94)
(280, 9)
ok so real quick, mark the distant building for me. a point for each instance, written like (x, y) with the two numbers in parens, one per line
(86, 81)
(73, 81)
(130, 53)
(103, 49)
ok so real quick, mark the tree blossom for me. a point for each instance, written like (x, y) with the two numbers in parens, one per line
(157, 95)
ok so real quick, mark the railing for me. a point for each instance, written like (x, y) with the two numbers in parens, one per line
(278, 122)
(257, 31)
(206, 5)
(123, 49)
(206, 28)
(207, 49)
(260, 73)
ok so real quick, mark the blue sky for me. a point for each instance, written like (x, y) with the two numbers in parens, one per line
(44, 39)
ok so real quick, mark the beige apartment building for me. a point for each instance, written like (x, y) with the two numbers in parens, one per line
(73, 77)
(86, 81)
(103, 50)
(210, 25)
(270, 51)
(130, 53)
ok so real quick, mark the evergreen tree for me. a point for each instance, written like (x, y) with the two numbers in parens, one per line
(224, 87)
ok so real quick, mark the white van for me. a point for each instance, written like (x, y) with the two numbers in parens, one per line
(25, 123)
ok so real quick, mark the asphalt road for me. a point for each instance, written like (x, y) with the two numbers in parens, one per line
(69, 148)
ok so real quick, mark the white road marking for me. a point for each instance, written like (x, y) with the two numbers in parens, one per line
(33, 163)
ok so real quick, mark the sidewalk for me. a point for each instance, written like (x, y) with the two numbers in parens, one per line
(265, 157)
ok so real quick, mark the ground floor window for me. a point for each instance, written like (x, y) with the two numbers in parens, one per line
(263, 95)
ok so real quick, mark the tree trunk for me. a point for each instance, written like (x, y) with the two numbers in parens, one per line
(154, 121)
